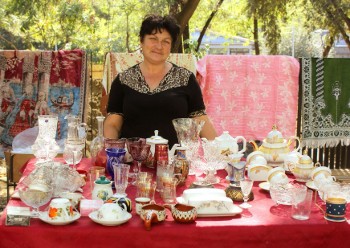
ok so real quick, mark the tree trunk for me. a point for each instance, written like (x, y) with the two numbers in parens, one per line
(206, 25)
(328, 47)
(182, 17)
(256, 37)
(339, 26)
(341, 13)
(127, 34)
(186, 36)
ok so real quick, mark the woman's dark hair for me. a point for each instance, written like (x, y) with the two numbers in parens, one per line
(154, 23)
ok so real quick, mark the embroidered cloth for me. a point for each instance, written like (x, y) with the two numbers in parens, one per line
(326, 101)
(247, 95)
(36, 83)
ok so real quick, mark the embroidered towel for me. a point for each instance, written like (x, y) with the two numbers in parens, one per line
(325, 116)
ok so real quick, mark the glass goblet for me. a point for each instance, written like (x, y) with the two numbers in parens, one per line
(35, 198)
(246, 187)
(139, 152)
(128, 142)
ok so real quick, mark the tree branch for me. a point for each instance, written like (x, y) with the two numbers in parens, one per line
(206, 25)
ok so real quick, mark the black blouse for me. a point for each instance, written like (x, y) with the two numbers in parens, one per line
(177, 96)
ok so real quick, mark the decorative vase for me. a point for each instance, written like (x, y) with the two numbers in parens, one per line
(114, 156)
(97, 147)
(45, 146)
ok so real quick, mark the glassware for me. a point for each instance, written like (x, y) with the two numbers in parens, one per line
(301, 202)
(164, 170)
(139, 152)
(168, 192)
(246, 187)
(187, 131)
(114, 156)
(121, 172)
(75, 142)
(45, 147)
(128, 142)
(97, 145)
(35, 198)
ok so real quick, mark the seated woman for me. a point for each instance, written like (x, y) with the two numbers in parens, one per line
(149, 95)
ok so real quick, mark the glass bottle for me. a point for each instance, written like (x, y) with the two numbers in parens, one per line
(97, 149)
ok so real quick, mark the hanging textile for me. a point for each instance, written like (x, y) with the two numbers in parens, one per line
(326, 101)
(247, 95)
(36, 83)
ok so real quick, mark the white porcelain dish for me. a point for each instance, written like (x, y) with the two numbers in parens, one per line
(44, 216)
(264, 186)
(93, 217)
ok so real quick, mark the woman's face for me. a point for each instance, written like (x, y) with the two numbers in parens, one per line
(156, 47)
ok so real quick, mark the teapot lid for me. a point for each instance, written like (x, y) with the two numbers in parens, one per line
(305, 159)
(274, 136)
(102, 180)
(156, 139)
(225, 136)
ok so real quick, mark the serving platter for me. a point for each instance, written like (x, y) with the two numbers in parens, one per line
(93, 217)
(44, 216)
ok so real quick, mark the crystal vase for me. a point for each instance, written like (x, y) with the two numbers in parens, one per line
(45, 146)
(97, 148)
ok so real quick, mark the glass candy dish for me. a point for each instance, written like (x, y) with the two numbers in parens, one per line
(60, 177)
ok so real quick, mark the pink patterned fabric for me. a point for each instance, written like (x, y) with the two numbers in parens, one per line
(247, 95)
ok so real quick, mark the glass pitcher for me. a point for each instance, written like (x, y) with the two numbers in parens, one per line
(76, 133)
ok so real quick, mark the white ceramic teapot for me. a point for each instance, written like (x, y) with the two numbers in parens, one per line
(228, 145)
(275, 147)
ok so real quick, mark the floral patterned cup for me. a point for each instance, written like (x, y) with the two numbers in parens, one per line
(61, 209)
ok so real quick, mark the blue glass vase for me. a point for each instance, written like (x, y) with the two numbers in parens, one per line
(114, 156)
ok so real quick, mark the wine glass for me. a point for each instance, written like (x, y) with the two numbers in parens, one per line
(35, 197)
(139, 152)
(246, 187)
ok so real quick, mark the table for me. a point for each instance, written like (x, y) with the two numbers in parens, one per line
(263, 225)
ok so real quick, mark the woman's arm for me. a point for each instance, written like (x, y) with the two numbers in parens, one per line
(112, 126)
(208, 130)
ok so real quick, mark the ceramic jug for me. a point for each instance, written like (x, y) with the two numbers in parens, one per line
(102, 189)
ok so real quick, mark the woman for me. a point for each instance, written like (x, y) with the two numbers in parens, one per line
(149, 95)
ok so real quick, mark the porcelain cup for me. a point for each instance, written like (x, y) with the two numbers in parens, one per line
(277, 175)
(60, 209)
(140, 202)
(320, 172)
(335, 209)
(110, 211)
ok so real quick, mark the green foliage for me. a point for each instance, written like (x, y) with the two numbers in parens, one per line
(192, 45)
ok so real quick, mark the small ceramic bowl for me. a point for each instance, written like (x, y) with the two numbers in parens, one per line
(183, 213)
(152, 213)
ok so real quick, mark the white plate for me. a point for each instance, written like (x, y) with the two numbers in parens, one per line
(311, 185)
(235, 210)
(45, 217)
(264, 186)
(93, 217)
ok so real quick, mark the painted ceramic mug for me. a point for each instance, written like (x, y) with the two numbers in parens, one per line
(61, 209)
(335, 209)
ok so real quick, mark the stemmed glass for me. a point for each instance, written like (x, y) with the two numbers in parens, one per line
(35, 198)
(246, 187)
(139, 152)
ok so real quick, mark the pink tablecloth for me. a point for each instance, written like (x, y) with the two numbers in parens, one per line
(247, 95)
(263, 225)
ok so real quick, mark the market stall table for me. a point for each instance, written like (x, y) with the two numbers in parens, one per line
(262, 225)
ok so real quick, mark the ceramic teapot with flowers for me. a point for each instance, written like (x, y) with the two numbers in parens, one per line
(303, 168)
(228, 144)
(275, 147)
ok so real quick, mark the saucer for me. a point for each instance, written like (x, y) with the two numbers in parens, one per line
(93, 217)
(311, 185)
(264, 186)
(45, 217)
(340, 220)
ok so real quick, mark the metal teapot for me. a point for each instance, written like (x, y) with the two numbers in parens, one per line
(275, 147)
